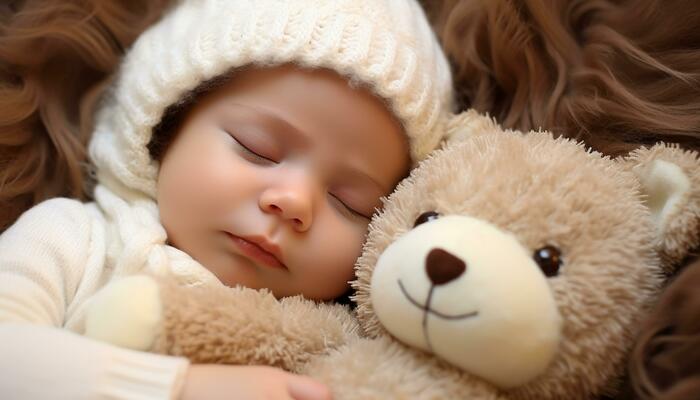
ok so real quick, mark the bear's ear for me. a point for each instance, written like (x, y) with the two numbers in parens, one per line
(469, 124)
(670, 184)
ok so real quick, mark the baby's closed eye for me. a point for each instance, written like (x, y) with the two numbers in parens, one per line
(253, 152)
(346, 209)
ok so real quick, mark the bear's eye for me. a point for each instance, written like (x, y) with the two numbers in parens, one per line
(425, 217)
(549, 260)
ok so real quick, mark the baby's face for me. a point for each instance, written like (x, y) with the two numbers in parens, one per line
(272, 178)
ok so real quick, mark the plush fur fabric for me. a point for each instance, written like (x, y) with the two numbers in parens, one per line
(546, 191)
(384, 369)
(245, 326)
(682, 235)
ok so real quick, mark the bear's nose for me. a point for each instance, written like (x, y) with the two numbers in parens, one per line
(443, 267)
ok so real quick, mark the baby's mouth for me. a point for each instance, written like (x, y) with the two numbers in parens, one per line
(256, 249)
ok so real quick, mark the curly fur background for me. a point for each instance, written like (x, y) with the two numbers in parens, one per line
(614, 73)
(665, 363)
(55, 58)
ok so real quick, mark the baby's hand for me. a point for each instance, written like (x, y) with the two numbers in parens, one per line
(209, 381)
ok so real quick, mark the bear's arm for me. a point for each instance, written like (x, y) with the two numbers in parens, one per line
(216, 324)
(246, 326)
(382, 368)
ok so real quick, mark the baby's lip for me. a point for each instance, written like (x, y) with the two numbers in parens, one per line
(267, 247)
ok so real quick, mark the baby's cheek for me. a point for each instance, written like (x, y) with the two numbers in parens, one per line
(336, 251)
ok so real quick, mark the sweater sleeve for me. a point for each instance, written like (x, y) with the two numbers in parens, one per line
(47, 258)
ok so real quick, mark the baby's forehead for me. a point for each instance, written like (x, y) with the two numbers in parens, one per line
(302, 108)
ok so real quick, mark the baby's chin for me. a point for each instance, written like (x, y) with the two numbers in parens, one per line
(329, 291)
(309, 289)
(238, 271)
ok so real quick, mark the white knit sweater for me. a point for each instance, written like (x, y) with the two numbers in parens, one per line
(52, 261)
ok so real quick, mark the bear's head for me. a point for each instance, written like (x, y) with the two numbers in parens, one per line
(526, 260)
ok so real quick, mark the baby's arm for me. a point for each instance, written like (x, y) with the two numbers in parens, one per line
(225, 382)
(50, 262)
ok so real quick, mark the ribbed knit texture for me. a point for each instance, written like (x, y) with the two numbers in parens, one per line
(48, 363)
(52, 262)
(386, 45)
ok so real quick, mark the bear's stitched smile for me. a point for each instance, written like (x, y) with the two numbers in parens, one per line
(427, 308)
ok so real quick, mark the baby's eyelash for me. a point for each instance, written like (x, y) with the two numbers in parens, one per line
(347, 210)
(258, 157)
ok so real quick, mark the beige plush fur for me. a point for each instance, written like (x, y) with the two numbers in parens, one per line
(540, 191)
(682, 234)
(245, 326)
(384, 369)
(551, 191)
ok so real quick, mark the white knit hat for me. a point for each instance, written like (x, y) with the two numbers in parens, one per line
(385, 44)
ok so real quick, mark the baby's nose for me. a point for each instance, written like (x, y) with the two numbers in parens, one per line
(291, 205)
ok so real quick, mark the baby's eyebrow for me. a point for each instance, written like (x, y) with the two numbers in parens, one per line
(362, 175)
(272, 117)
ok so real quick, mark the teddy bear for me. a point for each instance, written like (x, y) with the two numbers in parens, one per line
(506, 266)
(518, 266)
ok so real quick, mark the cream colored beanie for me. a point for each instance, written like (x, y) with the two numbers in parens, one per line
(385, 44)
